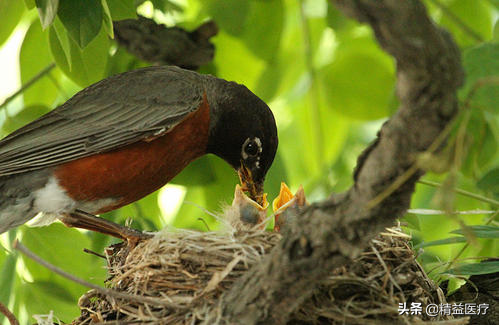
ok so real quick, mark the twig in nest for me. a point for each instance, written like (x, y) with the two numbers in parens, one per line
(10, 316)
(88, 251)
(105, 291)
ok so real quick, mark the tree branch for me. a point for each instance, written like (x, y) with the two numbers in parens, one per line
(8, 314)
(330, 234)
(163, 45)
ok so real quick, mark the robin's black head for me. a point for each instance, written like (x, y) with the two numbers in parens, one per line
(243, 132)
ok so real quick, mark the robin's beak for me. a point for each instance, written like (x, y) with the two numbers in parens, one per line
(248, 184)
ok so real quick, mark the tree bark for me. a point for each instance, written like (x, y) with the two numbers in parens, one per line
(329, 234)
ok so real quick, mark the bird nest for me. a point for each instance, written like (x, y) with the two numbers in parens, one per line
(181, 274)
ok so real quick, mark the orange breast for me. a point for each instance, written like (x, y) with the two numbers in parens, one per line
(134, 171)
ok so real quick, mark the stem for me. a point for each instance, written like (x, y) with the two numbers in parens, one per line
(28, 84)
(8, 314)
(462, 192)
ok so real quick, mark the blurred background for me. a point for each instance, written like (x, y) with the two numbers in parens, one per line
(330, 87)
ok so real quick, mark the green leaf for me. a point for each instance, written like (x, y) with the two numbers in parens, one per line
(25, 116)
(446, 241)
(63, 247)
(268, 82)
(486, 267)
(229, 65)
(166, 6)
(82, 19)
(8, 272)
(482, 146)
(199, 172)
(53, 289)
(88, 65)
(335, 19)
(495, 37)
(481, 62)
(210, 197)
(359, 82)
(495, 3)
(107, 19)
(63, 38)
(276, 174)
(34, 45)
(30, 4)
(264, 16)
(412, 221)
(231, 16)
(490, 181)
(480, 231)
(122, 9)
(476, 15)
(47, 10)
(10, 14)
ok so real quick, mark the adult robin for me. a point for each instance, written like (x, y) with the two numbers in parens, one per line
(125, 137)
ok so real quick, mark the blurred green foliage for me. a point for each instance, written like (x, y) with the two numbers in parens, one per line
(330, 87)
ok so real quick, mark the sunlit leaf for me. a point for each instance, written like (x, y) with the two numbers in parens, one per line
(82, 19)
(481, 62)
(446, 241)
(475, 15)
(413, 221)
(490, 181)
(276, 174)
(87, 65)
(486, 267)
(63, 38)
(198, 172)
(482, 145)
(8, 272)
(38, 300)
(335, 19)
(230, 16)
(268, 82)
(27, 115)
(30, 4)
(10, 14)
(107, 19)
(62, 247)
(495, 37)
(47, 10)
(480, 231)
(359, 83)
(53, 289)
(264, 16)
(122, 9)
(34, 45)
(229, 65)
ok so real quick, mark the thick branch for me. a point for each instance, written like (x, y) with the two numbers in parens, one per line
(330, 234)
(159, 44)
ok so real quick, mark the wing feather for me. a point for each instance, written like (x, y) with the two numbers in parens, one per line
(117, 111)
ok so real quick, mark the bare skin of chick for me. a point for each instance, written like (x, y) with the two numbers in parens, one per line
(244, 213)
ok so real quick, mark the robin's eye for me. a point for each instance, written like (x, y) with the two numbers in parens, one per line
(251, 148)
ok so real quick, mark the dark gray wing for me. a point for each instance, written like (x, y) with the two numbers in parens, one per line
(114, 112)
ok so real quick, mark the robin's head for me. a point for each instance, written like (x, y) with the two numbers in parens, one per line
(243, 132)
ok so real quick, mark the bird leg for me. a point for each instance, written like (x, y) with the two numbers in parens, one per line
(84, 220)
